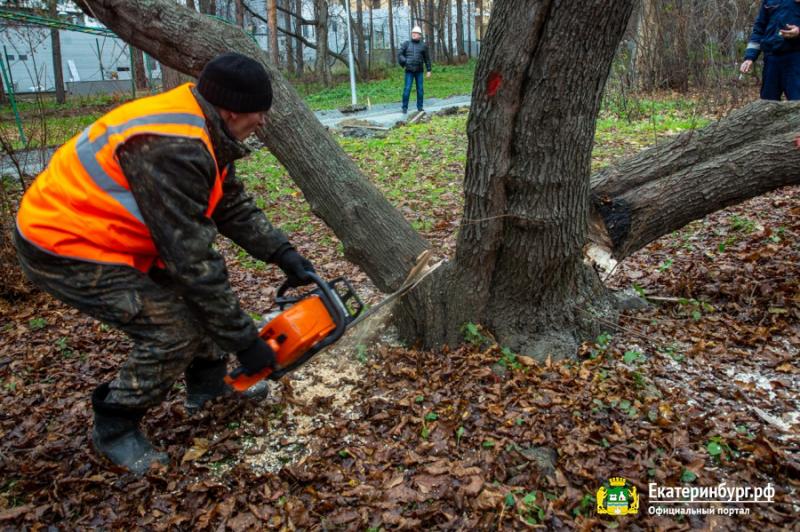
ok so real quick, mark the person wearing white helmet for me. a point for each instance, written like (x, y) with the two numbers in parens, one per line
(414, 57)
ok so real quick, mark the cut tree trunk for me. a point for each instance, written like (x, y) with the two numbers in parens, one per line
(749, 153)
(519, 268)
(374, 234)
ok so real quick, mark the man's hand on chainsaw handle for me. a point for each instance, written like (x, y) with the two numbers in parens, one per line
(256, 357)
(296, 267)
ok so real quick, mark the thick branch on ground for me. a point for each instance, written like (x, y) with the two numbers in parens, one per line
(374, 234)
(749, 153)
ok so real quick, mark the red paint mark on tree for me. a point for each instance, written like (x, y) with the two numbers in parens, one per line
(797, 142)
(495, 80)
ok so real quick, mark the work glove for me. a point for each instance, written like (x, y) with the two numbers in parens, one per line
(256, 357)
(296, 268)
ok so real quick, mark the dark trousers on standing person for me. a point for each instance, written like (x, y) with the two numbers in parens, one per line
(781, 76)
(413, 77)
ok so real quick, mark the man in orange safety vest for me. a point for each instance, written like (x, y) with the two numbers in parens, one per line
(121, 225)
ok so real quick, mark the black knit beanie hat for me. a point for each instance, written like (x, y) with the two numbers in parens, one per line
(237, 83)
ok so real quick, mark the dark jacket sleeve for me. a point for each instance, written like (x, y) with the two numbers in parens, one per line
(238, 218)
(426, 57)
(401, 55)
(759, 29)
(171, 180)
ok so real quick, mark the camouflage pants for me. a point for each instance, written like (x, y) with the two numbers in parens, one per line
(166, 338)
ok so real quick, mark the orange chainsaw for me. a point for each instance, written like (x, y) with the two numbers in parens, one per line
(305, 325)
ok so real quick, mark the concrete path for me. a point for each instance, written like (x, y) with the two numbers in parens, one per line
(387, 115)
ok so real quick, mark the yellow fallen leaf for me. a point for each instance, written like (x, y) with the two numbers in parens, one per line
(198, 449)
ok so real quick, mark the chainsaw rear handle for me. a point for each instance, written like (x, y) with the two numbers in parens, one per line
(337, 313)
(240, 380)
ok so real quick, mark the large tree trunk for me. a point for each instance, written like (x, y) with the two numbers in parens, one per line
(321, 31)
(663, 188)
(374, 234)
(519, 268)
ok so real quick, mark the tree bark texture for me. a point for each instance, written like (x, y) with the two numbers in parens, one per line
(171, 78)
(58, 71)
(751, 152)
(374, 234)
(518, 267)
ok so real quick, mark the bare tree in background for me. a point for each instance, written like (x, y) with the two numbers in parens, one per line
(391, 30)
(460, 29)
(209, 7)
(288, 41)
(272, 23)
(240, 13)
(139, 72)
(58, 71)
(321, 29)
(300, 61)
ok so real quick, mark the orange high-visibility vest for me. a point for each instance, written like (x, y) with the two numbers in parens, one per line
(81, 205)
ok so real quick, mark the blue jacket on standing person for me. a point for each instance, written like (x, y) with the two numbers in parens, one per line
(414, 56)
(776, 32)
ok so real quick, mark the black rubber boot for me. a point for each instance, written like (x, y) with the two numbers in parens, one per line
(205, 381)
(116, 435)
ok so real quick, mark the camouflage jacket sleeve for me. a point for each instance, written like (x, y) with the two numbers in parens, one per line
(238, 218)
(171, 180)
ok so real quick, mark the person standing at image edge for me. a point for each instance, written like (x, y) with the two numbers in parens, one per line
(776, 32)
(413, 56)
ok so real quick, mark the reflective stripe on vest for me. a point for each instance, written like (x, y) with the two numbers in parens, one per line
(81, 205)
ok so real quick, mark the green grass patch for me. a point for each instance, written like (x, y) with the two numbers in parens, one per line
(445, 81)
